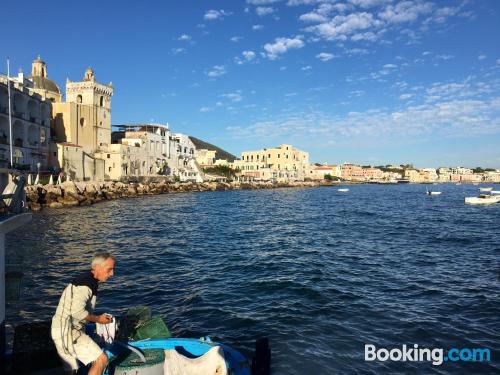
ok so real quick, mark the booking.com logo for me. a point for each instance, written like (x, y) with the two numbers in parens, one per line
(413, 353)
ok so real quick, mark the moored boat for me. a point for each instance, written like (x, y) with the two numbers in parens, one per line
(485, 189)
(343, 190)
(433, 192)
(483, 199)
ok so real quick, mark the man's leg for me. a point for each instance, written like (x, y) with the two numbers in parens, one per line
(99, 365)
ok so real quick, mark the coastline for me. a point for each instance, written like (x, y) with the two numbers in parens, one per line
(72, 194)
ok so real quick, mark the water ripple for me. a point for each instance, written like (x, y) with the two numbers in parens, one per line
(319, 272)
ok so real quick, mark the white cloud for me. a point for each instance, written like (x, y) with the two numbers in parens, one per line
(178, 51)
(257, 27)
(184, 37)
(340, 27)
(236, 39)
(233, 96)
(262, 2)
(248, 55)
(406, 11)
(313, 17)
(390, 66)
(217, 71)
(368, 3)
(444, 57)
(498, 61)
(305, 68)
(264, 11)
(481, 57)
(325, 56)
(406, 96)
(212, 14)
(281, 46)
(206, 109)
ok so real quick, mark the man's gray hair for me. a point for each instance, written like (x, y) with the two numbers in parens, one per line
(100, 258)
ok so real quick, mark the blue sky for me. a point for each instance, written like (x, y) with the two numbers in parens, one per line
(365, 81)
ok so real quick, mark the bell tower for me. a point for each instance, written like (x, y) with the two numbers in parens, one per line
(39, 68)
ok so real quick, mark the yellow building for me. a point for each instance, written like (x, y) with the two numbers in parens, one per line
(83, 121)
(283, 163)
(205, 157)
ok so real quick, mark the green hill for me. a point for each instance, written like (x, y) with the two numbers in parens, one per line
(221, 154)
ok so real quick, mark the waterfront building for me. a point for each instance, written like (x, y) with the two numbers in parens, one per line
(429, 174)
(320, 172)
(462, 171)
(372, 174)
(30, 115)
(351, 172)
(150, 150)
(205, 157)
(492, 176)
(282, 164)
(413, 175)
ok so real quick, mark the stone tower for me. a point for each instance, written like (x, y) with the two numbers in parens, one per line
(93, 111)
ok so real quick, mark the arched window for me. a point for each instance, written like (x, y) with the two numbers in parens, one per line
(101, 101)
(79, 99)
(18, 156)
(82, 121)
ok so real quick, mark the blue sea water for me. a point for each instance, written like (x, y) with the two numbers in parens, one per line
(319, 272)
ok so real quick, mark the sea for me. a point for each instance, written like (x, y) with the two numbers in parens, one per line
(320, 273)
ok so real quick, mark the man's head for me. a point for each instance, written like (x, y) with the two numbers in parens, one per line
(103, 266)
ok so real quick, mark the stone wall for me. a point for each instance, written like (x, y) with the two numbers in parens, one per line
(71, 193)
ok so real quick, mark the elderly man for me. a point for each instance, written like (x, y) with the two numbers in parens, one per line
(74, 310)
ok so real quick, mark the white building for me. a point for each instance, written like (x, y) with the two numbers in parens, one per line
(30, 116)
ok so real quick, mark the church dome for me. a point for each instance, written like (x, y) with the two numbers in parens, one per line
(45, 84)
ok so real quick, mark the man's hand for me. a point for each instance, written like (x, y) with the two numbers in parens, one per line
(104, 318)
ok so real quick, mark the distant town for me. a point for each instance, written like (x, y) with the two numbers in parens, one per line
(75, 140)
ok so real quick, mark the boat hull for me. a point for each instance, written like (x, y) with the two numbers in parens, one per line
(482, 200)
(237, 363)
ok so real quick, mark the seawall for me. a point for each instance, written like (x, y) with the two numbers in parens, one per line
(71, 193)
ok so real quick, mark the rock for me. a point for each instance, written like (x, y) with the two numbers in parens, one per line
(33, 206)
(56, 205)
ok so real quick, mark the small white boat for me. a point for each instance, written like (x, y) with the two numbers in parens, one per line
(495, 192)
(343, 190)
(483, 199)
(486, 189)
(458, 183)
(433, 192)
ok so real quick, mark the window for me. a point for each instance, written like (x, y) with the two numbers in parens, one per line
(79, 99)
(109, 156)
(101, 101)
(55, 153)
(82, 121)
(109, 169)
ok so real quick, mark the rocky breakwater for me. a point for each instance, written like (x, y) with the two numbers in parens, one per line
(71, 193)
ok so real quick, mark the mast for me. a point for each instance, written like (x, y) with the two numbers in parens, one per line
(10, 113)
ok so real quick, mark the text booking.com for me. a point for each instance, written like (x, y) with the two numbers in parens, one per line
(437, 356)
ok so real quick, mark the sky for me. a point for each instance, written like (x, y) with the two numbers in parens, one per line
(373, 82)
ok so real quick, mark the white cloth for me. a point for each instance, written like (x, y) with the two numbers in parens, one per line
(107, 331)
(210, 363)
